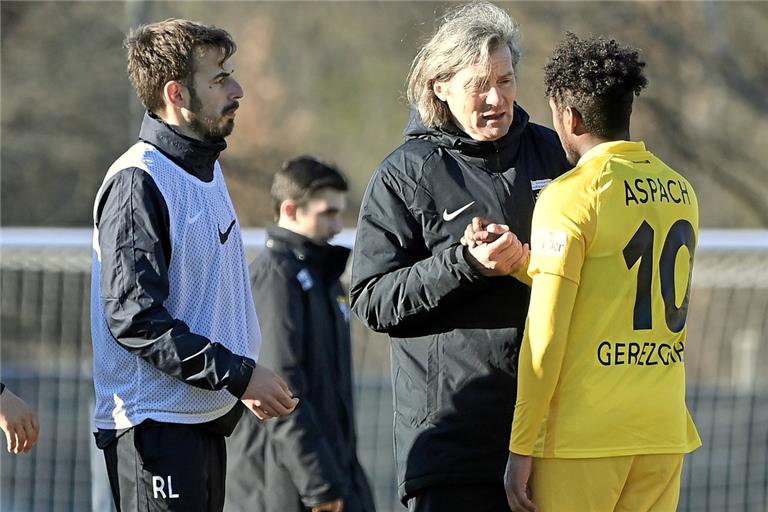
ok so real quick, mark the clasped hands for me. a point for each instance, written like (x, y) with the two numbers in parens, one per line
(494, 249)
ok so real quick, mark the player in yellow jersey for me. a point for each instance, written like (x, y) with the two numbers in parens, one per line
(600, 421)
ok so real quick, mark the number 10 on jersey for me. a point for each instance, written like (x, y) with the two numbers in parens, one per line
(640, 247)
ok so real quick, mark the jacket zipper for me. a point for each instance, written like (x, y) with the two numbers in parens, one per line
(495, 181)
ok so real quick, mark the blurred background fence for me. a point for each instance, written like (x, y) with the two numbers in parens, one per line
(46, 359)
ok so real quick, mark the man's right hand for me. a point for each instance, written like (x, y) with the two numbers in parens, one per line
(502, 257)
(331, 506)
(481, 231)
(268, 395)
(516, 483)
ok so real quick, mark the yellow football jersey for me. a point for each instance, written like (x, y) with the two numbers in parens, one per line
(620, 230)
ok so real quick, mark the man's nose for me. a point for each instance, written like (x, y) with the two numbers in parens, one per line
(337, 226)
(493, 97)
(237, 91)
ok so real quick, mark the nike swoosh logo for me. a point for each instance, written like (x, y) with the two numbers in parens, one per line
(450, 216)
(225, 235)
(193, 219)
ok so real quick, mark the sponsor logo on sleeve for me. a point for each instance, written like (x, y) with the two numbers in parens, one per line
(548, 242)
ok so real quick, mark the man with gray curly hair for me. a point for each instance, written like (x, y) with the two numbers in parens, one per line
(474, 35)
(454, 314)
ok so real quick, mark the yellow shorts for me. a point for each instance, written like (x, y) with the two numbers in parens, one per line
(635, 483)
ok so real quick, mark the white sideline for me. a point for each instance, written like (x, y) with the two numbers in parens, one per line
(21, 237)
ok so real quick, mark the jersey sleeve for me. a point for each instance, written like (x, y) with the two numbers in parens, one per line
(541, 357)
(521, 274)
(563, 224)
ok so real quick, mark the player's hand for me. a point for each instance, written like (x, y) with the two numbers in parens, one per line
(516, 483)
(482, 230)
(268, 395)
(501, 257)
(331, 506)
(19, 422)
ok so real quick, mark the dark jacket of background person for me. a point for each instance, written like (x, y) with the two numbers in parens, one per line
(310, 456)
(455, 334)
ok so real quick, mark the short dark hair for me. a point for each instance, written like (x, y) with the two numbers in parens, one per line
(598, 77)
(301, 178)
(165, 51)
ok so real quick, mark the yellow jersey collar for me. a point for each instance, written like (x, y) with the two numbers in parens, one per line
(611, 148)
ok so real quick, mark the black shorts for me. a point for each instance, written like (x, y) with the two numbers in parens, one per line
(157, 467)
(460, 498)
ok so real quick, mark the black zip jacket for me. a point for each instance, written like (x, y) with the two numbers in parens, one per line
(310, 456)
(134, 234)
(455, 334)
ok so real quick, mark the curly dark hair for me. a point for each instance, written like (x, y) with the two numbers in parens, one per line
(598, 77)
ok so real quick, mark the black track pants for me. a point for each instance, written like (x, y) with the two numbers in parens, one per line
(157, 467)
(460, 498)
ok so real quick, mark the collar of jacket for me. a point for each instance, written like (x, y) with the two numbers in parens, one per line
(452, 137)
(329, 260)
(197, 157)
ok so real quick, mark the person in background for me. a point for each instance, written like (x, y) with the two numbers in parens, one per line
(454, 314)
(601, 421)
(308, 460)
(19, 422)
(175, 334)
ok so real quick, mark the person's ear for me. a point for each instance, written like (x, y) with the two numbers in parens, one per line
(288, 209)
(440, 89)
(176, 94)
(572, 120)
(567, 118)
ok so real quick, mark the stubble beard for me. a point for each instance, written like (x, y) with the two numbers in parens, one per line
(571, 154)
(207, 128)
